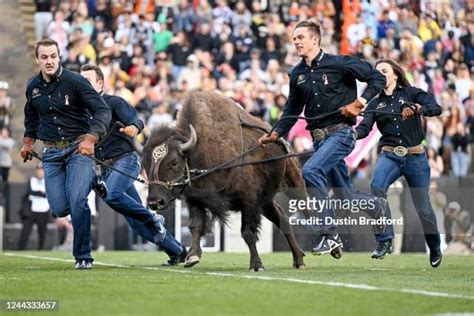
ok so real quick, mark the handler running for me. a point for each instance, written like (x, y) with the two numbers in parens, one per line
(323, 83)
(118, 150)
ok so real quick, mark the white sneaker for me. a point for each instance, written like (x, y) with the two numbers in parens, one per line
(83, 265)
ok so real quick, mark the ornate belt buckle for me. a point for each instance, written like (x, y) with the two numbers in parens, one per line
(400, 151)
(318, 134)
(61, 144)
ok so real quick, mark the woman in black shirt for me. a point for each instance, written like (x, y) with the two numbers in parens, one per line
(401, 150)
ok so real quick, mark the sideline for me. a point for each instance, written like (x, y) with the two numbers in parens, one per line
(263, 278)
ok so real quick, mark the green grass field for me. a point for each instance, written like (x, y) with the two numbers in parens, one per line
(133, 283)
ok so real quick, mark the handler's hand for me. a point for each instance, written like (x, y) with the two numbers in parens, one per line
(27, 148)
(408, 112)
(265, 139)
(352, 109)
(130, 130)
(86, 147)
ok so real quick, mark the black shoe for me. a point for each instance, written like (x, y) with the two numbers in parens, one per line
(175, 260)
(383, 248)
(100, 188)
(435, 258)
(327, 244)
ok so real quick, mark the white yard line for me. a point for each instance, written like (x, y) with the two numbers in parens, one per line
(265, 278)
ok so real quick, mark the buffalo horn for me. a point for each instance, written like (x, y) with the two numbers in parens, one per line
(191, 142)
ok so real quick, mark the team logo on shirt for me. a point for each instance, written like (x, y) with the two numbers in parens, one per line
(35, 93)
(381, 105)
(401, 100)
(66, 99)
(301, 79)
(325, 79)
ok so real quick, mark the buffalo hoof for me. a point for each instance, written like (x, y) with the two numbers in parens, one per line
(257, 267)
(191, 261)
(299, 266)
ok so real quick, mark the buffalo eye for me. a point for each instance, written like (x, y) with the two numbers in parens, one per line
(175, 165)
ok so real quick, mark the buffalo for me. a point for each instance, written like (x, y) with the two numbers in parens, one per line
(210, 130)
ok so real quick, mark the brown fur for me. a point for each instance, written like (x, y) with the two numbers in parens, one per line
(248, 189)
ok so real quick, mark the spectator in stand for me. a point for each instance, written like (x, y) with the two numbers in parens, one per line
(160, 117)
(221, 14)
(183, 19)
(203, 40)
(191, 74)
(162, 38)
(356, 33)
(58, 30)
(34, 210)
(459, 155)
(179, 50)
(6, 145)
(241, 18)
(436, 163)
(467, 41)
(458, 230)
(463, 82)
(42, 17)
(7, 106)
(271, 51)
(202, 13)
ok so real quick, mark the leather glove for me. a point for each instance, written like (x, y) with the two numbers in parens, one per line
(265, 139)
(86, 147)
(408, 112)
(352, 109)
(130, 130)
(27, 148)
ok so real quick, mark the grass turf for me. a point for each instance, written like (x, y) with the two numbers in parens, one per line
(221, 285)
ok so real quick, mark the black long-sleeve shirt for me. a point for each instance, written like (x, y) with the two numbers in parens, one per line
(117, 143)
(395, 131)
(64, 108)
(325, 86)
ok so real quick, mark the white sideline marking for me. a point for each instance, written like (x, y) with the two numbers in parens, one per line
(264, 278)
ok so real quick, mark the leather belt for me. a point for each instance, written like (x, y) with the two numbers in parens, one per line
(61, 144)
(320, 134)
(401, 151)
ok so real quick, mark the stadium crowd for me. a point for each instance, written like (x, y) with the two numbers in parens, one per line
(153, 52)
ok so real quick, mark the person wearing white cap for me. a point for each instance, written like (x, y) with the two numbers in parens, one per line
(6, 104)
(459, 230)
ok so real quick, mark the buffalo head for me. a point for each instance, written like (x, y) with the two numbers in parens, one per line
(168, 171)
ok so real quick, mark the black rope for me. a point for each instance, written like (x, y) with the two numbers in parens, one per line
(35, 155)
(302, 154)
(106, 165)
(224, 164)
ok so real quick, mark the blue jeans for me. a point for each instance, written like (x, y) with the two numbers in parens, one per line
(326, 166)
(123, 198)
(459, 163)
(416, 170)
(68, 180)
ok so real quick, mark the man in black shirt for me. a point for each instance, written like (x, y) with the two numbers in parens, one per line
(68, 115)
(323, 83)
(117, 149)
